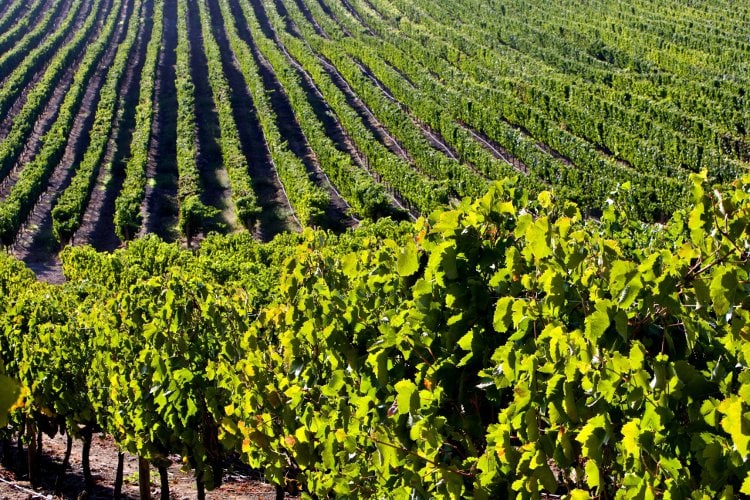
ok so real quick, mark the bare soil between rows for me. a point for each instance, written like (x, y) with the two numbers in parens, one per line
(97, 227)
(240, 482)
(159, 208)
(35, 242)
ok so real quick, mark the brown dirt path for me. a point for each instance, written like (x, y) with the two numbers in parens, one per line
(240, 482)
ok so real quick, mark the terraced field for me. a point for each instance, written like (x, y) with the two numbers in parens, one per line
(126, 117)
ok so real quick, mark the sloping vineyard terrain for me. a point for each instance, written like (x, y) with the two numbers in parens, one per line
(180, 118)
(402, 247)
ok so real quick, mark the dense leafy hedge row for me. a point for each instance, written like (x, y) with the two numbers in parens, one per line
(506, 347)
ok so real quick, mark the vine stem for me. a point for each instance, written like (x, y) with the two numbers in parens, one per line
(144, 478)
(118, 476)
(64, 466)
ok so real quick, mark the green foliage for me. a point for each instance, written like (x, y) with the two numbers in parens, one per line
(22, 60)
(192, 215)
(32, 181)
(235, 162)
(10, 390)
(13, 26)
(507, 347)
(362, 192)
(413, 187)
(523, 349)
(152, 345)
(67, 213)
(308, 200)
(128, 217)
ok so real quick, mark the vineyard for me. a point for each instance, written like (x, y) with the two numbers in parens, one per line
(382, 248)
(122, 118)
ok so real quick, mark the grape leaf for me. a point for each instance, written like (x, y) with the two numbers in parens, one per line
(596, 324)
(408, 262)
(503, 314)
(407, 397)
(630, 437)
(723, 289)
(9, 392)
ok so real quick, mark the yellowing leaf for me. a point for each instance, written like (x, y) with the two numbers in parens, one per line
(10, 391)
(592, 474)
(596, 324)
(591, 437)
(735, 424)
(408, 262)
(349, 264)
(723, 289)
(630, 437)
(502, 317)
(407, 397)
(506, 207)
(578, 494)
(465, 341)
(340, 435)
(545, 199)
(745, 490)
(536, 238)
